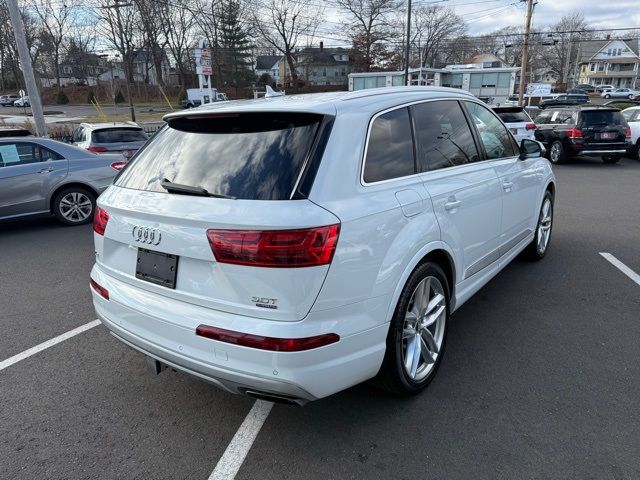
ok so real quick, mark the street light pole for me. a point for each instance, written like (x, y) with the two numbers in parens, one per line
(525, 51)
(406, 53)
(27, 68)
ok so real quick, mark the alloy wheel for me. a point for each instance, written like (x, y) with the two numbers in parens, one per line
(555, 153)
(544, 226)
(76, 207)
(423, 329)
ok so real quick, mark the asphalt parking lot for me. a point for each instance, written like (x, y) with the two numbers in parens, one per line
(540, 379)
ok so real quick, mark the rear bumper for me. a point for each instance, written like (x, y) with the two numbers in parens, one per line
(164, 329)
(619, 151)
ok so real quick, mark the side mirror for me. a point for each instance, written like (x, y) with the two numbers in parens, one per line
(531, 149)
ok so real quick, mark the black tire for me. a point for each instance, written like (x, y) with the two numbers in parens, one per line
(630, 97)
(611, 159)
(393, 376)
(561, 156)
(83, 215)
(533, 251)
(607, 96)
(636, 151)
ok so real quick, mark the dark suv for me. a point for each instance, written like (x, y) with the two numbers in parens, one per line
(583, 131)
(566, 99)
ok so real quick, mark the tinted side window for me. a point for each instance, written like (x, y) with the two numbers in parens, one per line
(497, 140)
(46, 155)
(390, 148)
(443, 135)
(543, 118)
(19, 154)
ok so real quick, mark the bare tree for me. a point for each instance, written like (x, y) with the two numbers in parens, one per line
(283, 24)
(566, 34)
(370, 25)
(432, 26)
(55, 21)
(154, 41)
(178, 22)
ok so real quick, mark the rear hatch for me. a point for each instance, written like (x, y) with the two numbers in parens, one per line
(517, 120)
(603, 129)
(126, 140)
(206, 213)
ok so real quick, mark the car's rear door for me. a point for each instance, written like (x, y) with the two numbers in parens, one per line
(27, 172)
(465, 191)
(603, 129)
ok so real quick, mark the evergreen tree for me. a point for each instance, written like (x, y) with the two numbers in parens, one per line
(235, 55)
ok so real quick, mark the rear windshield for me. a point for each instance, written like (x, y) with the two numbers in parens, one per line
(514, 116)
(256, 156)
(599, 117)
(117, 135)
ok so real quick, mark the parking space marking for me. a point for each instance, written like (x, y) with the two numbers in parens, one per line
(622, 267)
(236, 452)
(49, 343)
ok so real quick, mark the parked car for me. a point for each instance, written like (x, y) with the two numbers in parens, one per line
(594, 131)
(7, 100)
(576, 91)
(22, 102)
(193, 98)
(604, 88)
(290, 248)
(43, 176)
(632, 116)
(621, 103)
(518, 121)
(564, 100)
(585, 87)
(8, 131)
(620, 93)
(125, 138)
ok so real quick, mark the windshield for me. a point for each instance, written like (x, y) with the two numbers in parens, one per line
(599, 117)
(256, 156)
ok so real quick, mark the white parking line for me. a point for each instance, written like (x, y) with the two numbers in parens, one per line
(622, 267)
(49, 343)
(236, 452)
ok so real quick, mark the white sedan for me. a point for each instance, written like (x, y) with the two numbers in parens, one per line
(632, 116)
(620, 93)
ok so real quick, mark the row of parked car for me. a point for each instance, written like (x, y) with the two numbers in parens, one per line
(14, 101)
(569, 131)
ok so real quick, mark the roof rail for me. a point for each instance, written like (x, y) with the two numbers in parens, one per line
(403, 89)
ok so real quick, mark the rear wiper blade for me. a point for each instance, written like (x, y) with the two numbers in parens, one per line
(179, 188)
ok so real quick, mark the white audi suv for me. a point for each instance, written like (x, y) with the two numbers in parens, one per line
(289, 248)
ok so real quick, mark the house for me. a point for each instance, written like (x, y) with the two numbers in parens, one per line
(610, 62)
(82, 69)
(270, 65)
(323, 66)
(545, 75)
(144, 69)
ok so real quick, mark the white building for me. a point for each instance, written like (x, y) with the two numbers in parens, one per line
(493, 84)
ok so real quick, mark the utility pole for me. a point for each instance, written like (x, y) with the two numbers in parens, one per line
(525, 51)
(125, 63)
(406, 53)
(27, 68)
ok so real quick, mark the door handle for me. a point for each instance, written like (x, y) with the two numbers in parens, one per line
(452, 205)
(46, 170)
(507, 186)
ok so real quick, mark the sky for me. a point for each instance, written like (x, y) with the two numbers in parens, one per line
(484, 16)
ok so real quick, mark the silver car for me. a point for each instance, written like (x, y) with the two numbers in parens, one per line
(620, 93)
(125, 138)
(43, 176)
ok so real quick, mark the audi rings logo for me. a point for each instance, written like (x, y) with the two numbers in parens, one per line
(151, 236)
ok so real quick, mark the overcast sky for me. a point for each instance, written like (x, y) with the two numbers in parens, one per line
(483, 16)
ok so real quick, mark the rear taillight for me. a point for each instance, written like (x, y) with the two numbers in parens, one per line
(97, 149)
(574, 133)
(266, 343)
(530, 126)
(100, 219)
(627, 132)
(103, 292)
(307, 247)
(118, 165)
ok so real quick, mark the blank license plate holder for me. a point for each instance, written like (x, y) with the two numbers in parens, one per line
(157, 267)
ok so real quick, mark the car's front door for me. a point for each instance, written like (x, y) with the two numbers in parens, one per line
(27, 174)
(465, 191)
(520, 180)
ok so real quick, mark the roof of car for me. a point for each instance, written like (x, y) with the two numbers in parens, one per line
(99, 126)
(580, 107)
(327, 103)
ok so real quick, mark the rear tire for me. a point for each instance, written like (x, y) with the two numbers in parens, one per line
(636, 151)
(539, 246)
(612, 159)
(417, 333)
(557, 153)
(607, 96)
(74, 206)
